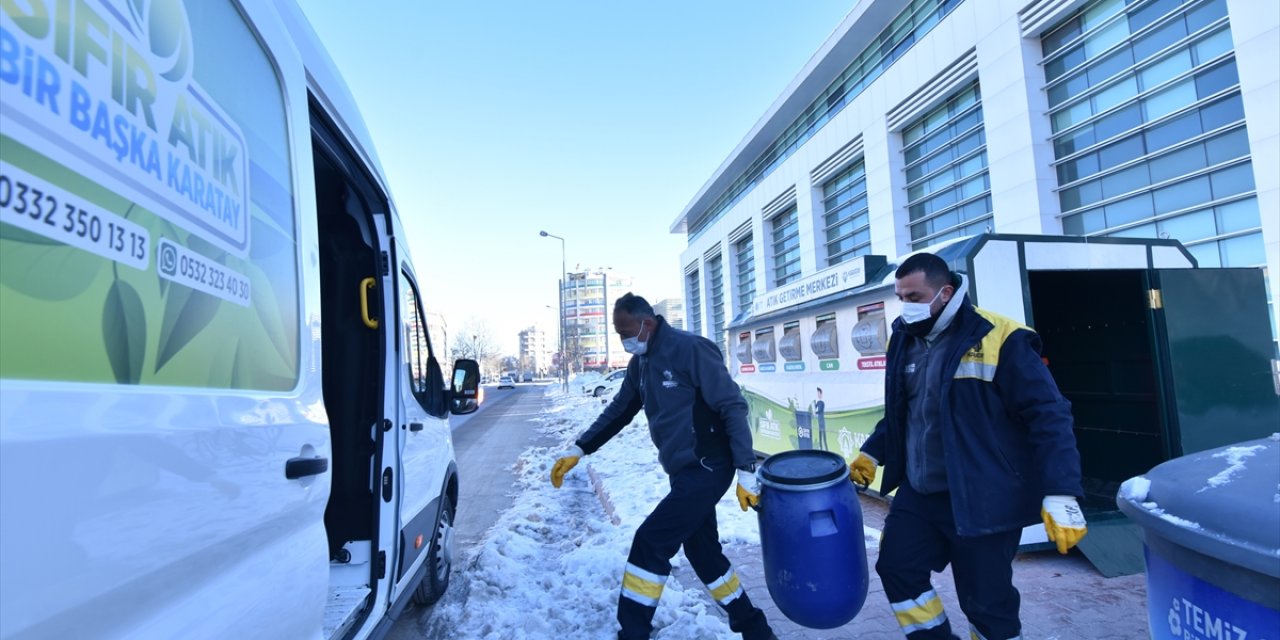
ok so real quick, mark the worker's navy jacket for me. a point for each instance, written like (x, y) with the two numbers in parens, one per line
(695, 409)
(1006, 429)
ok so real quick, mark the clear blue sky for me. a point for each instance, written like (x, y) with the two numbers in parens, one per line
(595, 120)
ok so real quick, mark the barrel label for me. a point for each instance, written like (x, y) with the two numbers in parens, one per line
(1183, 607)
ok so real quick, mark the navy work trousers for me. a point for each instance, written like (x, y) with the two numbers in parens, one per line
(685, 517)
(920, 537)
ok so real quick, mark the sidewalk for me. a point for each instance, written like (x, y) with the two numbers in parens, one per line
(1063, 597)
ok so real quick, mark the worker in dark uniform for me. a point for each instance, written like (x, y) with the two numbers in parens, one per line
(978, 441)
(698, 420)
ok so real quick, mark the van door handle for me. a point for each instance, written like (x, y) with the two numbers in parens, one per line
(296, 468)
(415, 426)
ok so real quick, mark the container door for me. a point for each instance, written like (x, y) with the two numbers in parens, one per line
(1214, 339)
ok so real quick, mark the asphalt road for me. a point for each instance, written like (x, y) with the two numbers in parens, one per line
(486, 444)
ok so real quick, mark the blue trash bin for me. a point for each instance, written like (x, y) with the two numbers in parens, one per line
(1211, 527)
(811, 535)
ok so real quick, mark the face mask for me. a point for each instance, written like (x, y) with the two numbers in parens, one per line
(633, 345)
(913, 312)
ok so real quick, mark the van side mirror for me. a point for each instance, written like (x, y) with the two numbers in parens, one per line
(464, 389)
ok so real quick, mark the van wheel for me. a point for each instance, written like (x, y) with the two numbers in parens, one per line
(599, 392)
(439, 559)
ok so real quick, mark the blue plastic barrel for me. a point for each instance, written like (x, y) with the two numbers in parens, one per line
(815, 557)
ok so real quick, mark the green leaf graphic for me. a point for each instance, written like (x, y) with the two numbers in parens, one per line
(186, 312)
(18, 234)
(268, 307)
(250, 372)
(45, 270)
(124, 332)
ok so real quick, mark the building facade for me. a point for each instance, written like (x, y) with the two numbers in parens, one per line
(535, 352)
(918, 122)
(587, 314)
(671, 309)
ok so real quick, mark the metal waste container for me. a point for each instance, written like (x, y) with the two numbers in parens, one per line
(1211, 525)
(811, 535)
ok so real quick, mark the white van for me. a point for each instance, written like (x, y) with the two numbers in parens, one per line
(220, 413)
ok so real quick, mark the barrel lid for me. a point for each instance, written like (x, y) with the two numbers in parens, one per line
(1223, 502)
(803, 467)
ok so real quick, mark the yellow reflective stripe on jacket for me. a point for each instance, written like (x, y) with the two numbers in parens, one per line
(924, 612)
(726, 588)
(981, 360)
(642, 586)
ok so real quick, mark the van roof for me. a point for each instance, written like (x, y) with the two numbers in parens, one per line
(329, 88)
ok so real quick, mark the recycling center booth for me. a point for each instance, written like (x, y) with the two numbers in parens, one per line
(1158, 356)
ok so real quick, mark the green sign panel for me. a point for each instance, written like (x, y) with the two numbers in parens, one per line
(829, 365)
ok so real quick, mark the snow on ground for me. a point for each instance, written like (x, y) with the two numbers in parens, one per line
(552, 564)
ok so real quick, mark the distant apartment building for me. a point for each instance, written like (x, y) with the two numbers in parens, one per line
(586, 310)
(672, 309)
(535, 352)
(438, 334)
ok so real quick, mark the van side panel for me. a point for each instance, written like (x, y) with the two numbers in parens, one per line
(158, 367)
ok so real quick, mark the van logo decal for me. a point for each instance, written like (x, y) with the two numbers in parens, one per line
(113, 84)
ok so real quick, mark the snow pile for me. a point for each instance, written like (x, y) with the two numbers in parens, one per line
(1135, 489)
(552, 565)
(1181, 522)
(1157, 511)
(1235, 463)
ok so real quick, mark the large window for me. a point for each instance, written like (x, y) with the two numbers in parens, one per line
(948, 189)
(845, 218)
(715, 293)
(416, 350)
(744, 256)
(693, 293)
(1149, 131)
(154, 282)
(744, 259)
(910, 25)
(786, 246)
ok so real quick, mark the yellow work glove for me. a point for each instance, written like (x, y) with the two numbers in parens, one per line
(564, 463)
(748, 489)
(1063, 521)
(863, 469)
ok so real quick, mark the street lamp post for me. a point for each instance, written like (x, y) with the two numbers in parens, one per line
(564, 373)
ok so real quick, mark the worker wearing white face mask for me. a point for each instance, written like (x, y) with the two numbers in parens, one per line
(698, 420)
(978, 442)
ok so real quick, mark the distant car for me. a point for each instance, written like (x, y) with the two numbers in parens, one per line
(506, 382)
(606, 386)
(528, 377)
